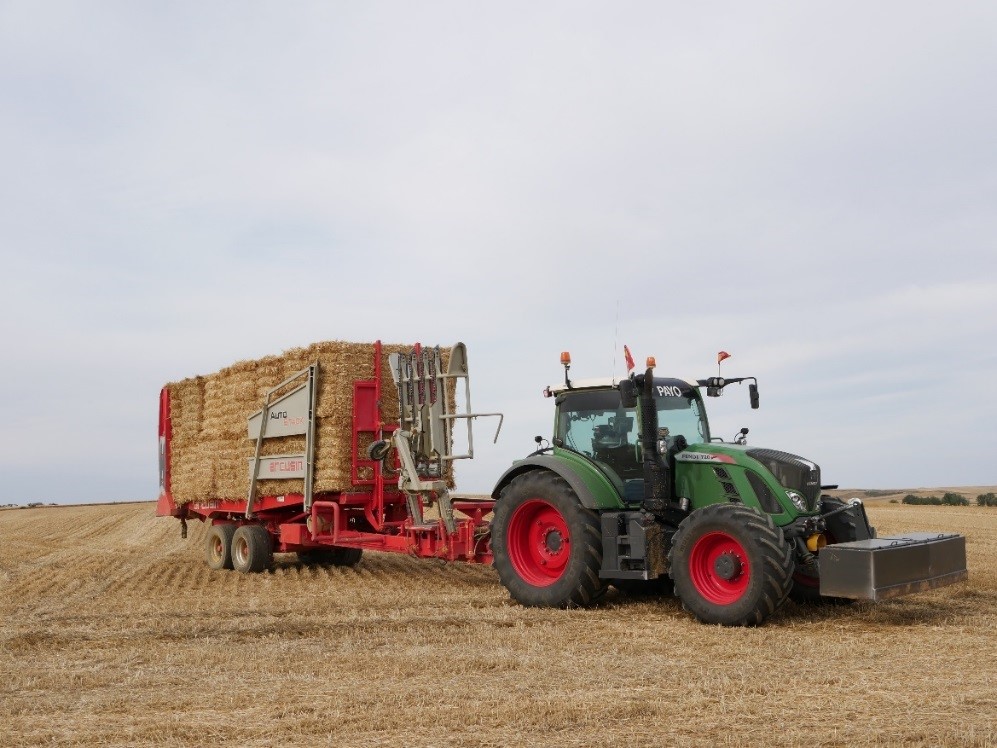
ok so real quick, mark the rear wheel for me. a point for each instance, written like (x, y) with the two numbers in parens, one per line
(252, 549)
(731, 565)
(547, 546)
(218, 548)
(330, 556)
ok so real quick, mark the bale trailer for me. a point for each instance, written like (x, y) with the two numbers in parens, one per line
(632, 491)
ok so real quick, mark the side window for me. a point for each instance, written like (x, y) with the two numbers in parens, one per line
(596, 425)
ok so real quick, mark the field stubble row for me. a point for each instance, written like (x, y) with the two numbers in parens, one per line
(115, 633)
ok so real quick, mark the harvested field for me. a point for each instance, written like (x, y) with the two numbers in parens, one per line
(114, 632)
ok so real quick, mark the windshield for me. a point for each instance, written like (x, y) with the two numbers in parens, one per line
(681, 412)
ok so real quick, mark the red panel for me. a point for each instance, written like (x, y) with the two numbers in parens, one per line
(164, 504)
(294, 534)
(365, 414)
(279, 505)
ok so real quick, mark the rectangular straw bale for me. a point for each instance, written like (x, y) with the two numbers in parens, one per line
(210, 450)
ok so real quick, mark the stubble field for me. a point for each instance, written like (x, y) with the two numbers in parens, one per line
(114, 632)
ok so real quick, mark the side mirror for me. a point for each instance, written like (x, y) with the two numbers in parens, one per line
(628, 393)
(753, 394)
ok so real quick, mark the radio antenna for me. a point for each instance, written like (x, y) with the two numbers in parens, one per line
(616, 342)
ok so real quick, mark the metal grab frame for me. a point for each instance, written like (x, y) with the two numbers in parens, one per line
(309, 478)
(425, 433)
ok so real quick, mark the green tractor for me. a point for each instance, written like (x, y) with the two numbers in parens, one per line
(634, 491)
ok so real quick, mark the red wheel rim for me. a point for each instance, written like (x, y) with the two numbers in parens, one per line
(719, 568)
(217, 548)
(538, 542)
(240, 551)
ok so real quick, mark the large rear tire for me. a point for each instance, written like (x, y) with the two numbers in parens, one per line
(731, 565)
(218, 549)
(841, 528)
(547, 546)
(252, 549)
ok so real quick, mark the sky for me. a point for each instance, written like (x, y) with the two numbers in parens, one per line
(808, 186)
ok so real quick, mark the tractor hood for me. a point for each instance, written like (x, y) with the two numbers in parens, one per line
(791, 472)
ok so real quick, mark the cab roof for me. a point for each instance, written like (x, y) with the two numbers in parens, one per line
(602, 383)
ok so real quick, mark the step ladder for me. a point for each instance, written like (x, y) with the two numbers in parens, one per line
(424, 438)
(288, 410)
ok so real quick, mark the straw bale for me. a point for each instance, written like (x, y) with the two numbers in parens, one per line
(210, 450)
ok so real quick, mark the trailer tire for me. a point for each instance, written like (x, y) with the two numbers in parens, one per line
(252, 549)
(218, 548)
(841, 528)
(330, 556)
(547, 546)
(731, 565)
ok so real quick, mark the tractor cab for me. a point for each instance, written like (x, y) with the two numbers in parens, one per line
(592, 420)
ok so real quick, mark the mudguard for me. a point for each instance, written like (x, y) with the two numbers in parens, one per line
(593, 490)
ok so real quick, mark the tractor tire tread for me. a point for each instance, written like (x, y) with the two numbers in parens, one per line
(773, 558)
(580, 586)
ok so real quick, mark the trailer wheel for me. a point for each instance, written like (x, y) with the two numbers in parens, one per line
(841, 528)
(218, 548)
(252, 549)
(731, 565)
(330, 556)
(547, 546)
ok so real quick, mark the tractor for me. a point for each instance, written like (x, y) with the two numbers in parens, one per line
(634, 491)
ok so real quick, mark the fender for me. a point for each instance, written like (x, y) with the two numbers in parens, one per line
(594, 493)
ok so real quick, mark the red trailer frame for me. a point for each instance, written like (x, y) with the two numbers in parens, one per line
(372, 515)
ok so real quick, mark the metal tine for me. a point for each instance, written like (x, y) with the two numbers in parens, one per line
(419, 365)
(432, 368)
(409, 392)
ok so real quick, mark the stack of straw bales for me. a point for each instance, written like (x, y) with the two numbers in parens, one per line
(210, 447)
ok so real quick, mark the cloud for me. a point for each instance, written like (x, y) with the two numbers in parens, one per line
(189, 185)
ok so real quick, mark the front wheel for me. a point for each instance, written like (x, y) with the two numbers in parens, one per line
(547, 546)
(731, 565)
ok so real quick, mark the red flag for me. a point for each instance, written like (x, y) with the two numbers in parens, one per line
(721, 356)
(629, 358)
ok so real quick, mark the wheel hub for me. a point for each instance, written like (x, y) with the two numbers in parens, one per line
(727, 566)
(553, 541)
(719, 568)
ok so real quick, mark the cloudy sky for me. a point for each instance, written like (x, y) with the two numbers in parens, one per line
(809, 186)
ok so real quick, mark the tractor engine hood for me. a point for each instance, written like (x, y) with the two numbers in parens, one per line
(790, 471)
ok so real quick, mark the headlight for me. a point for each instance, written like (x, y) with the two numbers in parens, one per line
(798, 501)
